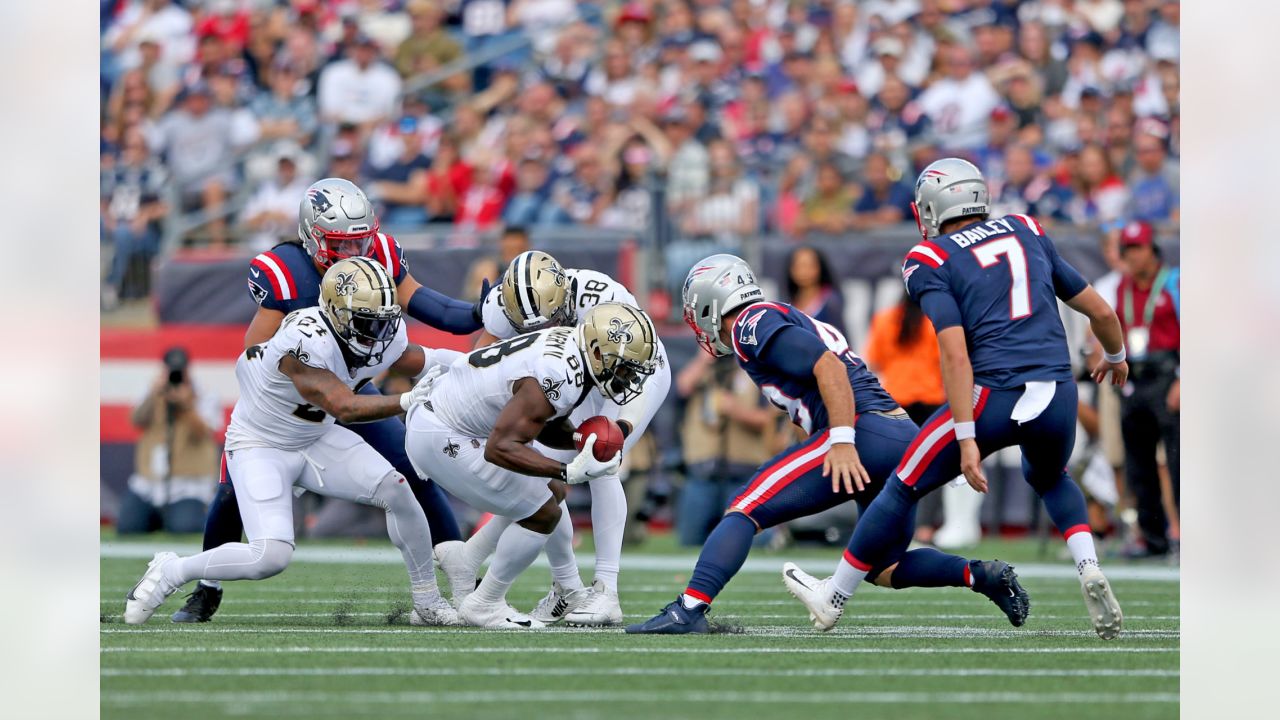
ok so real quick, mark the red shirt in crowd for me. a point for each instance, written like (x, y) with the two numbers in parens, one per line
(1166, 326)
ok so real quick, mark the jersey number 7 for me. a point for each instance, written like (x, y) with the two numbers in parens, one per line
(988, 254)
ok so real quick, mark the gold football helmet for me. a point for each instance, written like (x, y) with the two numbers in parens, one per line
(621, 346)
(536, 293)
(359, 298)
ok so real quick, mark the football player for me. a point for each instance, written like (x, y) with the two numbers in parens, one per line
(536, 293)
(335, 221)
(991, 288)
(472, 435)
(283, 433)
(805, 367)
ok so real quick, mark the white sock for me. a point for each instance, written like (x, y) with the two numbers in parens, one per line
(517, 549)
(690, 602)
(232, 561)
(848, 576)
(1080, 544)
(564, 565)
(481, 545)
(608, 521)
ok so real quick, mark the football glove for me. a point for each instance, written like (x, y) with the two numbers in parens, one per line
(585, 467)
(422, 390)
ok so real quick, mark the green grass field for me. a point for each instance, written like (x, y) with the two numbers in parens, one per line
(329, 638)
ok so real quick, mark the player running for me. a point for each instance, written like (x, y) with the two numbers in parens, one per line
(282, 433)
(990, 287)
(335, 221)
(472, 435)
(536, 293)
(806, 368)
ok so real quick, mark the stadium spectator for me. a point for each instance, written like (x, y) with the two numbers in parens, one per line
(285, 112)
(1149, 305)
(197, 141)
(1099, 195)
(730, 210)
(399, 187)
(131, 207)
(176, 458)
(1024, 189)
(271, 215)
(530, 204)
(579, 197)
(812, 287)
(829, 209)
(726, 432)
(447, 180)
(1154, 181)
(959, 103)
(360, 89)
(161, 21)
(883, 201)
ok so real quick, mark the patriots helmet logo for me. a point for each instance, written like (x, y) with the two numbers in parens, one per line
(319, 201)
(620, 332)
(345, 285)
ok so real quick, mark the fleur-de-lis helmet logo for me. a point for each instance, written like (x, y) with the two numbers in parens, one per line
(345, 284)
(557, 274)
(620, 332)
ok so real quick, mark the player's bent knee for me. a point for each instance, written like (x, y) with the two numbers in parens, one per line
(392, 490)
(543, 521)
(271, 557)
(741, 513)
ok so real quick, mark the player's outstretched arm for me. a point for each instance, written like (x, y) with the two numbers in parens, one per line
(842, 463)
(520, 422)
(1106, 327)
(323, 389)
(265, 323)
(439, 310)
(411, 363)
(957, 380)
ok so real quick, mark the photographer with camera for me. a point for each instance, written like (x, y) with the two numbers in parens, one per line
(176, 459)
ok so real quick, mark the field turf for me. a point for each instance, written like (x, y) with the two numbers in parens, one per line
(329, 638)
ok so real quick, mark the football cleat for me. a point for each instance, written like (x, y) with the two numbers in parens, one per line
(998, 581)
(825, 605)
(1104, 609)
(601, 608)
(150, 592)
(201, 604)
(558, 602)
(435, 613)
(674, 619)
(497, 616)
(451, 558)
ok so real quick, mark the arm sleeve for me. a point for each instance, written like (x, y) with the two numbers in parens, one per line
(443, 312)
(942, 310)
(793, 351)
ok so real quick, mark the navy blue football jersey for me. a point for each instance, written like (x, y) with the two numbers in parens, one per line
(1000, 281)
(284, 278)
(777, 344)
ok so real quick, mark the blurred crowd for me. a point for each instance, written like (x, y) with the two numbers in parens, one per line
(720, 119)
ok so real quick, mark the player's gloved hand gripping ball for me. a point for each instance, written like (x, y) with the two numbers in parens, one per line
(599, 442)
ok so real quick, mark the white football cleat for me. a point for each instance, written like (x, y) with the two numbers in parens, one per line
(498, 616)
(451, 559)
(150, 592)
(558, 602)
(1104, 609)
(599, 609)
(437, 612)
(824, 605)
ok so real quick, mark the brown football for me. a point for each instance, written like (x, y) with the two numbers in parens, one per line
(608, 436)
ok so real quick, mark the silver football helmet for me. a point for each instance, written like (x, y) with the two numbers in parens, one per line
(715, 286)
(335, 221)
(949, 188)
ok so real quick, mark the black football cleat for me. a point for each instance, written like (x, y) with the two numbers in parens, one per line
(674, 620)
(202, 603)
(998, 581)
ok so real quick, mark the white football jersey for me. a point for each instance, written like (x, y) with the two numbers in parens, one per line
(478, 386)
(271, 412)
(592, 288)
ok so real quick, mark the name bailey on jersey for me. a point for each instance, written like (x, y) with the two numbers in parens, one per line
(977, 233)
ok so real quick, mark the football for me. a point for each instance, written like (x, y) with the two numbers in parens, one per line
(608, 436)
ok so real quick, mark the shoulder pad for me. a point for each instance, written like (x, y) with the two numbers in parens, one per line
(271, 274)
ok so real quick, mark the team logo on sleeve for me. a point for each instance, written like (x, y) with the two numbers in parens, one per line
(303, 356)
(346, 284)
(551, 388)
(620, 332)
(258, 292)
(747, 334)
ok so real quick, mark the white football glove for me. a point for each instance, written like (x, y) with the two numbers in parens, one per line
(585, 467)
(421, 390)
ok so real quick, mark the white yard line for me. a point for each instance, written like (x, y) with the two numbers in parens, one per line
(550, 671)
(632, 650)
(994, 616)
(630, 561)
(667, 696)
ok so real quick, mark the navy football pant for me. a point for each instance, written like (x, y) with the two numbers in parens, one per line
(790, 486)
(933, 459)
(385, 436)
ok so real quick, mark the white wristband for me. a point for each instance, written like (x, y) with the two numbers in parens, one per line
(1114, 357)
(842, 434)
(965, 431)
(406, 400)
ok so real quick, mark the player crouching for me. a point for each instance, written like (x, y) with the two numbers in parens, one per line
(282, 433)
